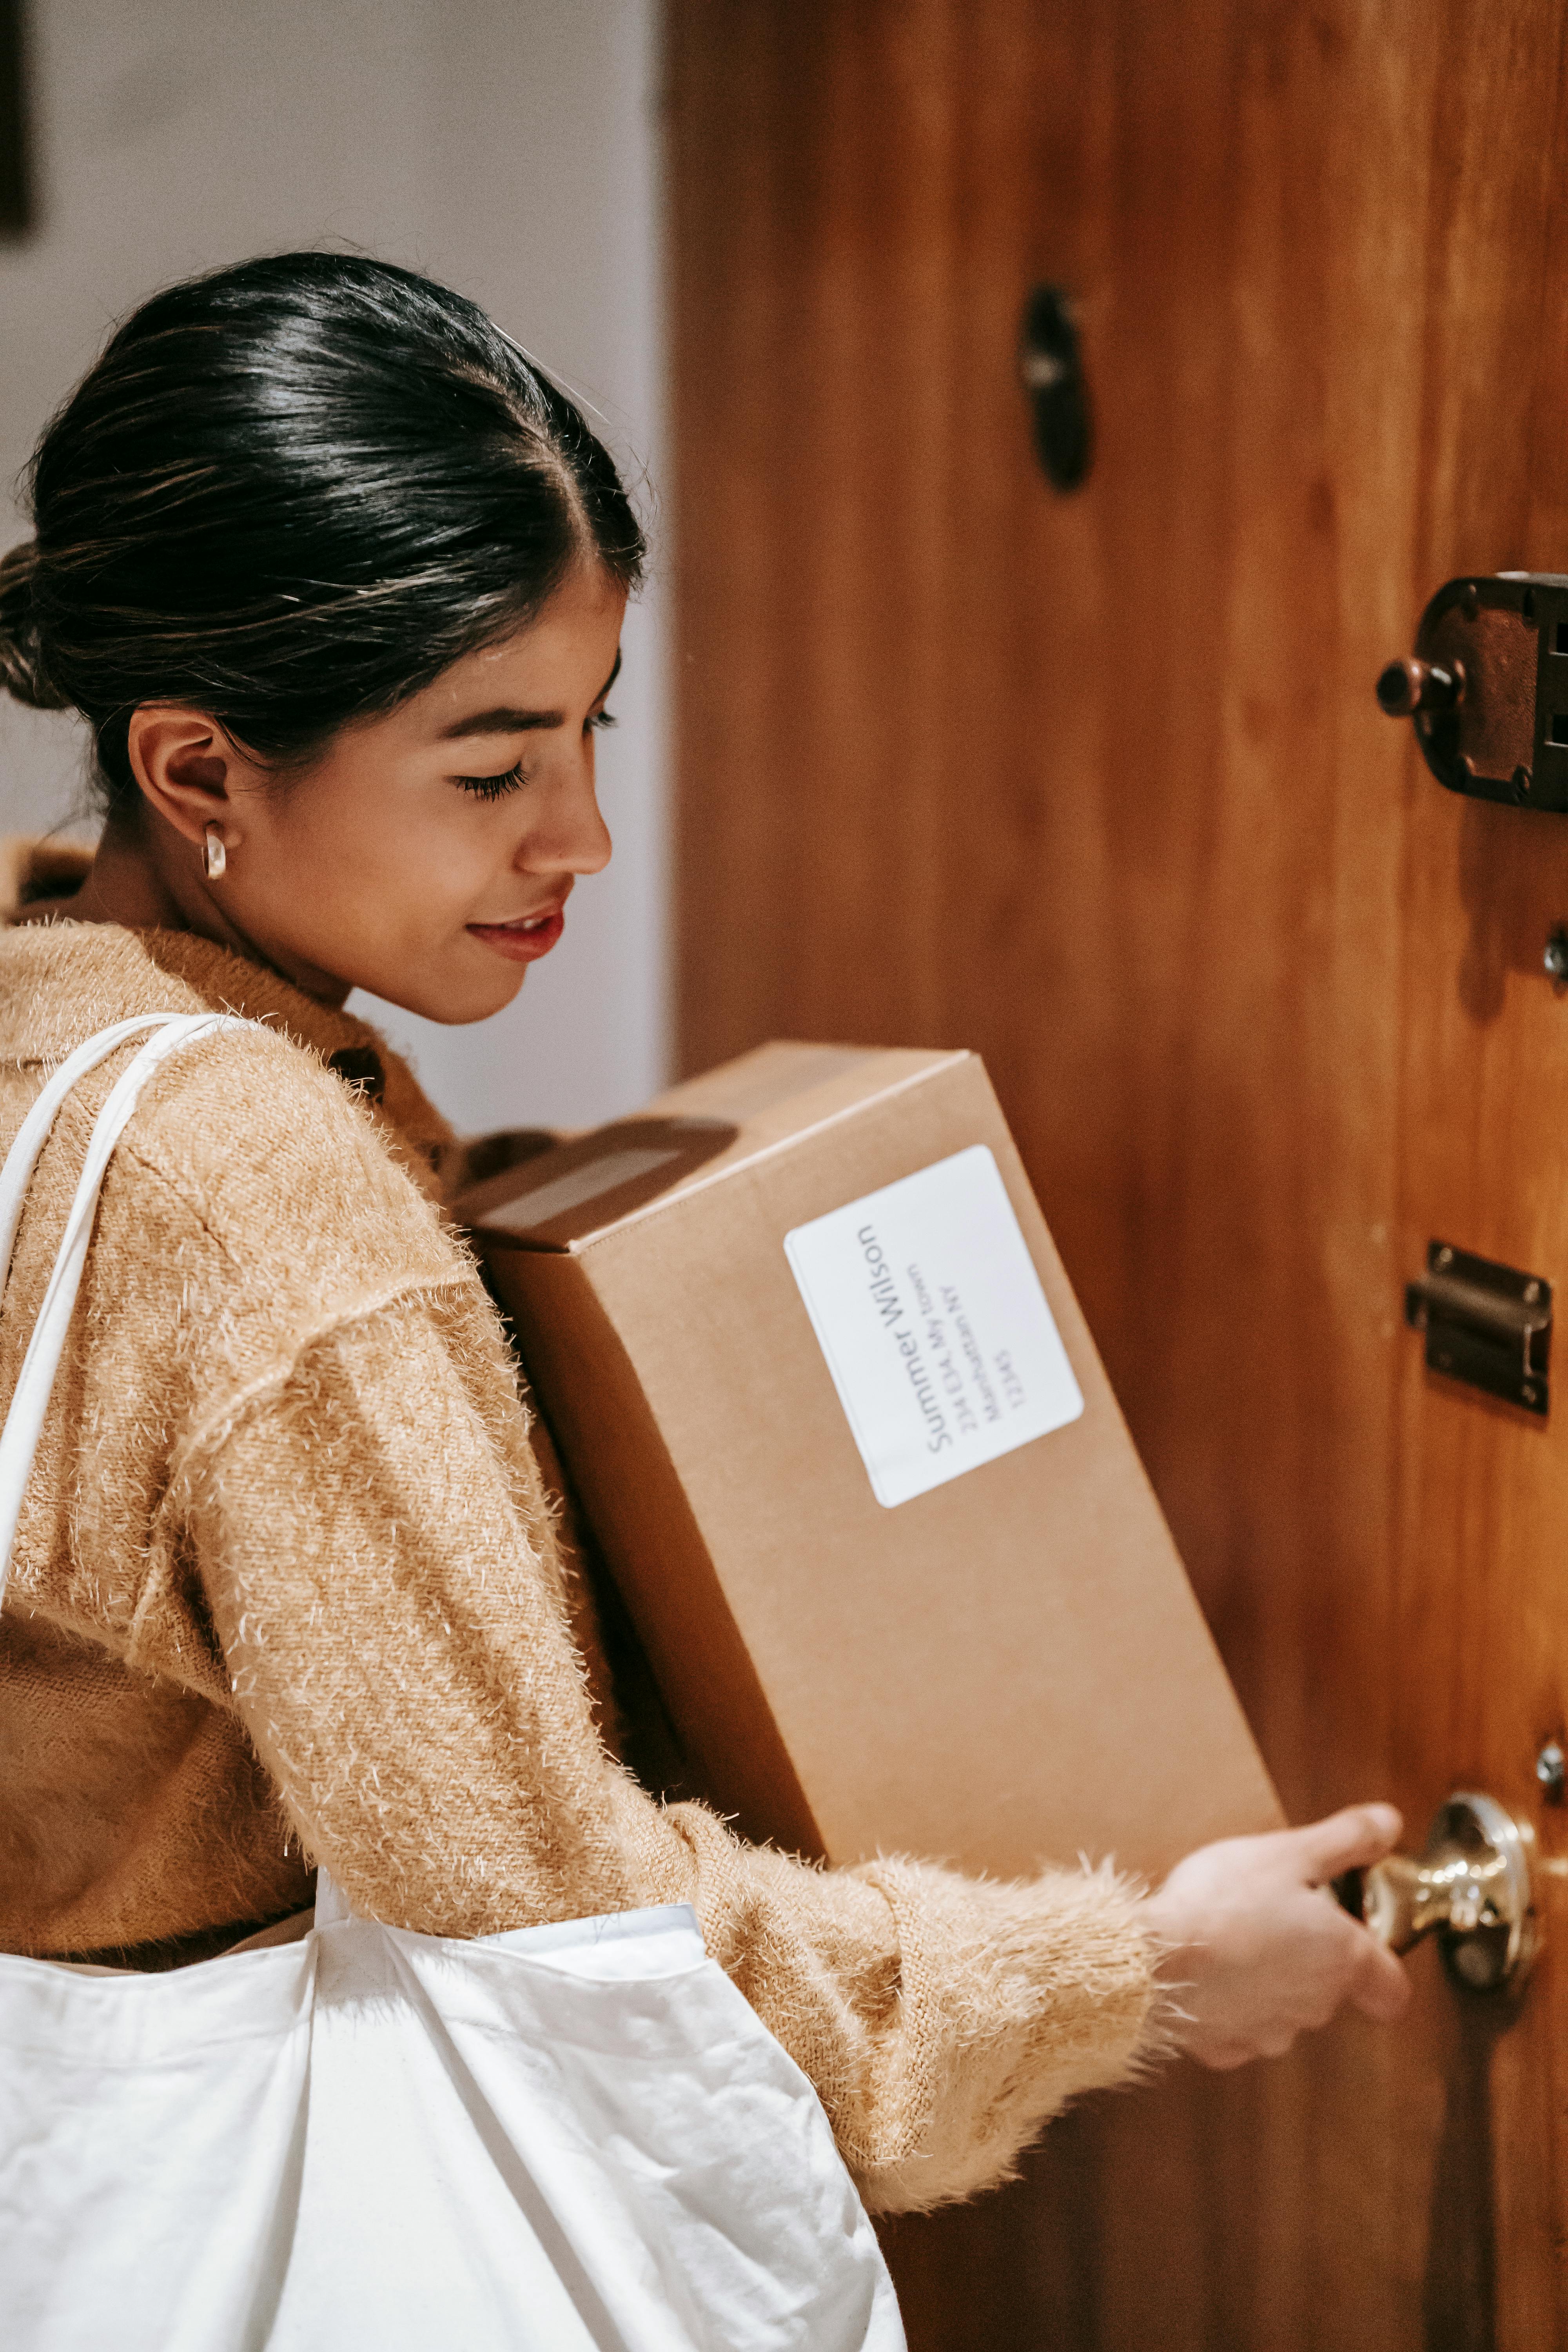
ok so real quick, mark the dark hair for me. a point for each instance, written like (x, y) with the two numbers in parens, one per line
(290, 493)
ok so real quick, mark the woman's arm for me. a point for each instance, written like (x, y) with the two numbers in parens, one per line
(377, 1557)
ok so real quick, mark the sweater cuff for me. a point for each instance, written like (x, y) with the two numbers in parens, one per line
(1016, 1999)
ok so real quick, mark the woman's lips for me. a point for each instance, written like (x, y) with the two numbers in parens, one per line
(524, 941)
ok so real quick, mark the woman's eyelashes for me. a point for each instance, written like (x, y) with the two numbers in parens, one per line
(494, 788)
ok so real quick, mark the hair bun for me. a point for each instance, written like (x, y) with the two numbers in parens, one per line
(22, 671)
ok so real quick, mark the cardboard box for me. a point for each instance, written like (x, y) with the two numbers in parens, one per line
(859, 1473)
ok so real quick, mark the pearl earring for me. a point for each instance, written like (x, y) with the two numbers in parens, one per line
(215, 854)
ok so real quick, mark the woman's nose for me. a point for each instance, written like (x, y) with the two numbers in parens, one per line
(570, 836)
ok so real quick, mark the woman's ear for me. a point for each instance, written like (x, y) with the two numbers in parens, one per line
(187, 767)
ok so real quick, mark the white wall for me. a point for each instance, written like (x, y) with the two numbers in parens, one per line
(506, 146)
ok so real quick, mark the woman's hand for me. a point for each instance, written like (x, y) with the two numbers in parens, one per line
(1257, 1949)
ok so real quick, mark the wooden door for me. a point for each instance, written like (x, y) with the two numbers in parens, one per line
(1097, 784)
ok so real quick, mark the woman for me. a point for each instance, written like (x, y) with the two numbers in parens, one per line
(336, 578)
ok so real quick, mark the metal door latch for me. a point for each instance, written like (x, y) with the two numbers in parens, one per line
(1487, 687)
(1486, 1324)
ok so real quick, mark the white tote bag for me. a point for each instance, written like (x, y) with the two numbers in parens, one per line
(574, 2137)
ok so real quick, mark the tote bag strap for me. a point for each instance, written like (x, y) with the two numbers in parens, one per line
(30, 1401)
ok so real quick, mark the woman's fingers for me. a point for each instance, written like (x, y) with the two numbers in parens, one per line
(1351, 1840)
(1264, 1952)
(1381, 1988)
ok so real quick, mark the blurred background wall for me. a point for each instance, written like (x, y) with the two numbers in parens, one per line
(506, 147)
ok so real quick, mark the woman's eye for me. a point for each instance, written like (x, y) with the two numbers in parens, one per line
(493, 788)
(602, 718)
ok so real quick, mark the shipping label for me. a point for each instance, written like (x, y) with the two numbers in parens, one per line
(927, 1309)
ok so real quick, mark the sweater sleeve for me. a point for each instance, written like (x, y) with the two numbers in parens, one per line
(376, 1555)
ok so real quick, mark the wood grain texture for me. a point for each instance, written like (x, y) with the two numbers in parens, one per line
(1098, 787)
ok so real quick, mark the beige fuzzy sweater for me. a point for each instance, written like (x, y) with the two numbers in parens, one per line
(286, 1588)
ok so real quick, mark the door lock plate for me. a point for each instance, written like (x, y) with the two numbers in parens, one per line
(1488, 1324)
(1487, 687)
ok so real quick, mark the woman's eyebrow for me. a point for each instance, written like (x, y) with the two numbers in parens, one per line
(503, 719)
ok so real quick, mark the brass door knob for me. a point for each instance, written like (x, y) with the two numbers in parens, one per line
(1471, 1888)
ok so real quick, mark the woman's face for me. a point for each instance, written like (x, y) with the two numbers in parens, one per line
(427, 856)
